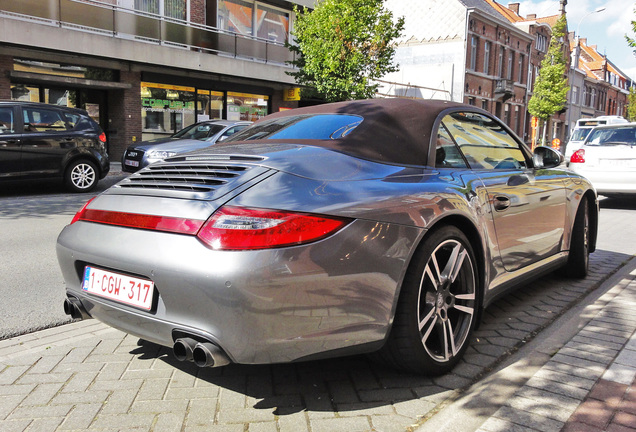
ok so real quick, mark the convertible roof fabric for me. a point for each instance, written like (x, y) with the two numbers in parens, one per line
(395, 131)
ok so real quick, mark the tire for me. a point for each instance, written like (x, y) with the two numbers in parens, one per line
(436, 310)
(579, 256)
(81, 176)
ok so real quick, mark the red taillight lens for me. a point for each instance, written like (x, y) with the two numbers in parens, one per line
(81, 212)
(236, 228)
(578, 156)
(102, 137)
(140, 221)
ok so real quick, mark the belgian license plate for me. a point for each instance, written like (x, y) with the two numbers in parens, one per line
(131, 163)
(118, 287)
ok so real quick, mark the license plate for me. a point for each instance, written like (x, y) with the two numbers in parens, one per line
(131, 163)
(119, 287)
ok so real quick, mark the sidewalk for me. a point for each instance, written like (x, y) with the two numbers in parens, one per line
(590, 383)
(584, 382)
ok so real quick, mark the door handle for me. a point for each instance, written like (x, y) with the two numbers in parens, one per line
(501, 202)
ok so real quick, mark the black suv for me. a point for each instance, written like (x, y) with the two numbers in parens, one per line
(40, 140)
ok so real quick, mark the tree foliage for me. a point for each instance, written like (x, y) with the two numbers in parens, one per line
(342, 46)
(631, 105)
(551, 86)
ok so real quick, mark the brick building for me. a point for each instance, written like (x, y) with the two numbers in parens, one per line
(146, 68)
(599, 87)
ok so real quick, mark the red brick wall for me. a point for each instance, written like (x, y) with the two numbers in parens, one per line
(197, 11)
(6, 65)
(125, 115)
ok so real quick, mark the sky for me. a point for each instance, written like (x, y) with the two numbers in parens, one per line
(606, 29)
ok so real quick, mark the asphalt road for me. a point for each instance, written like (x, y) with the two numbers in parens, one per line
(31, 286)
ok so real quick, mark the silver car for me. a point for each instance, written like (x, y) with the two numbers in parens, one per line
(194, 137)
(367, 226)
(608, 159)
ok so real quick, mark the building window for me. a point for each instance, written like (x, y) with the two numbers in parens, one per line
(471, 101)
(520, 73)
(487, 58)
(178, 9)
(484, 104)
(500, 62)
(246, 106)
(593, 98)
(575, 94)
(511, 56)
(255, 19)
(473, 52)
(517, 121)
(542, 42)
(165, 109)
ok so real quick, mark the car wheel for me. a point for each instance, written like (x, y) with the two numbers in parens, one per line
(579, 256)
(436, 315)
(81, 176)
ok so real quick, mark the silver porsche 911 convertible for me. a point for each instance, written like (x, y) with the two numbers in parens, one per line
(381, 226)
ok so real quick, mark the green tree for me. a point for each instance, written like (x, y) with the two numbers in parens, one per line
(342, 46)
(631, 105)
(551, 86)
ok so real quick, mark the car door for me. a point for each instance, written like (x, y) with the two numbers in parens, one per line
(10, 154)
(45, 141)
(528, 206)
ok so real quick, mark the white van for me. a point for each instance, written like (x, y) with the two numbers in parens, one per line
(583, 128)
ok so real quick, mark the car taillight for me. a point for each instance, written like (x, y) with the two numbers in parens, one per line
(238, 228)
(578, 156)
(102, 137)
(81, 211)
(139, 221)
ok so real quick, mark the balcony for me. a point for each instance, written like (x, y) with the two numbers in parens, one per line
(504, 89)
(114, 21)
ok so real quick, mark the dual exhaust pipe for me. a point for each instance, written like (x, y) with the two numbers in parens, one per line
(203, 354)
(74, 308)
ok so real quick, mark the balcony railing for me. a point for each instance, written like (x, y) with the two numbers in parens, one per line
(116, 21)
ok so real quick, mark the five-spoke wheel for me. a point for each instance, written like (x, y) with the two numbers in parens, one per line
(437, 306)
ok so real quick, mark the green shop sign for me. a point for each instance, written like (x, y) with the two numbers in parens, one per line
(167, 104)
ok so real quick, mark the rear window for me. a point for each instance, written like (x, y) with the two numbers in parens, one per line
(613, 136)
(313, 126)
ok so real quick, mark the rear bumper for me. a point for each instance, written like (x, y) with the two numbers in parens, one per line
(267, 306)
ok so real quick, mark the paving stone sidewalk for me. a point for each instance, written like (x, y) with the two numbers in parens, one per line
(590, 383)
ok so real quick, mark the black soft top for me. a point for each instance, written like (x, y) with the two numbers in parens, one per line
(395, 131)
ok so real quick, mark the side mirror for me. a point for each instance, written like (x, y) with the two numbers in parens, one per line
(546, 157)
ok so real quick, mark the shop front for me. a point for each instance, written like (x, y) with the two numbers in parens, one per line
(168, 108)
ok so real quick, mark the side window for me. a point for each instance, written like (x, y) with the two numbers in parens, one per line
(43, 120)
(484, 142)
(6, 120)
(447, 155)
(72, 119)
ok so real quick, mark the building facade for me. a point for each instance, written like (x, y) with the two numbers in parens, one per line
(485, 54)
(147, 68)
(597, 86)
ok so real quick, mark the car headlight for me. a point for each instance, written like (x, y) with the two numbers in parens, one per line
(158, 154)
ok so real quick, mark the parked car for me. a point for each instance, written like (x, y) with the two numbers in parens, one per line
(608, 159)
(584, 127)
(381, 225)
(193, 137)
(49, 141)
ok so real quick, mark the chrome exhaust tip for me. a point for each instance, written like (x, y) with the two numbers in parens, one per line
(183, 349)
(206, 354)
(74, 308)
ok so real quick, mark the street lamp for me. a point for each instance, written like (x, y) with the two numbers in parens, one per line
(577, 54)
